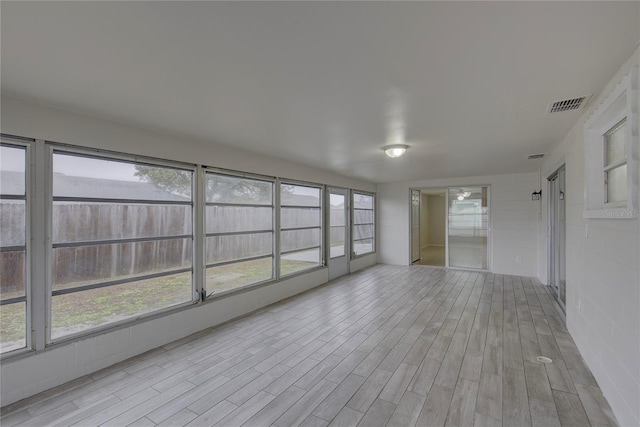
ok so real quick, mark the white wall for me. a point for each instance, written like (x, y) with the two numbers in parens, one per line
(514, 220)
(424, 221)
(603, 277)
(30, 374)
(437, 220)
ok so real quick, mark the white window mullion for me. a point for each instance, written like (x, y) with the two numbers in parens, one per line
(40, 227)
(199, 262)
(277, 228)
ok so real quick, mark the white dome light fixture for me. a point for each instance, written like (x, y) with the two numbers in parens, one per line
(463, 194)
(395, 150)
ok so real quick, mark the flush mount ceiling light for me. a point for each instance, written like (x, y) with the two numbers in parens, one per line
(395, 150)
(463, 194)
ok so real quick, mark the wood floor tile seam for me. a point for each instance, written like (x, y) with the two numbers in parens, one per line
(407, 309)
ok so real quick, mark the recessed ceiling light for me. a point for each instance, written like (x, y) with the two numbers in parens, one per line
(395, 150)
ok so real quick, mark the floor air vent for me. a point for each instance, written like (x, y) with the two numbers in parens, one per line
(568, 104)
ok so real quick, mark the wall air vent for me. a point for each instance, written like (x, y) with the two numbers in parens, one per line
(535, 156)
(568, 104)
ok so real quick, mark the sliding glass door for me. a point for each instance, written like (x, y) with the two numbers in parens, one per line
(468, 227)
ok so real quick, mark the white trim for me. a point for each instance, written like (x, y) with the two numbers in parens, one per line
(620, 103)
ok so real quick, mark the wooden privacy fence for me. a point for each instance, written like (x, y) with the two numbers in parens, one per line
(87, 222)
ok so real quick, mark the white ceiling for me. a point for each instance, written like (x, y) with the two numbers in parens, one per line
(327, 84)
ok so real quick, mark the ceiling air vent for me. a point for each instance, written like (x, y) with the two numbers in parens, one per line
(535, 156)
(568, 104)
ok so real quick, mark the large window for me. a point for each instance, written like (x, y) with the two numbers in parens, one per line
(239, 231)
(122, 235)
(13, 247)
(91, 240)
(363, 223)
(300, 228)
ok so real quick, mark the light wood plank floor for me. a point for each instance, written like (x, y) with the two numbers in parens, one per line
(432, 255)
(398, 346)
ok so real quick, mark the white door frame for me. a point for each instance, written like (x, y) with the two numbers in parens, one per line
(552, 229)
(415, 257)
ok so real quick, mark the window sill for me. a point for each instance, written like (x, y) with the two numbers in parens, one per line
(354, 256)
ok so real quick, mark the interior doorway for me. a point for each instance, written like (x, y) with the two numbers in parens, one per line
(557, 236)
(450, 227)
(432, 227)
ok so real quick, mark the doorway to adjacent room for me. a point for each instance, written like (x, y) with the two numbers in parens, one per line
(450, 227)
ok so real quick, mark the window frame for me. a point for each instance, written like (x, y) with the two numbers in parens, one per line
(28, 145)
(39, 237)
(236, 174)
(92, 153)
(353, 224)
(618, 107)
(321, 227)
(609, 166)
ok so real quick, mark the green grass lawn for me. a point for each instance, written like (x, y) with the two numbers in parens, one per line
(79, 311)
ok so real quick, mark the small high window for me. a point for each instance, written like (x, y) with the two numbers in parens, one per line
(615, 164)
(611, 154)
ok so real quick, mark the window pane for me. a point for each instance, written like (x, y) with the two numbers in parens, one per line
(233, 247)
(79, 176)
(12, 274)
(615, 143)
(337, 241)
(617, 184)
(299, 195)
(12, 222)
(80, 221)
(12, 170)
(225, 219)
(298, 261)
(230, 189)
(299, 239)
(79, 311)
(362, 216)
(363, 246)
(299, 217)
(13, 268)
(236, 275)
(362, 232)
(13, 326)
(362, 201)
(336, 210)
(363, 224)
(84, 265)
(254, 222)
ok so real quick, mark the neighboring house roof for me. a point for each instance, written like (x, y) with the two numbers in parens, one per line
(12, 182)
(299, 200)
(75, 186)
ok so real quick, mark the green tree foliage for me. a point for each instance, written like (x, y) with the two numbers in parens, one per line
(219, 188)
(171, 180)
